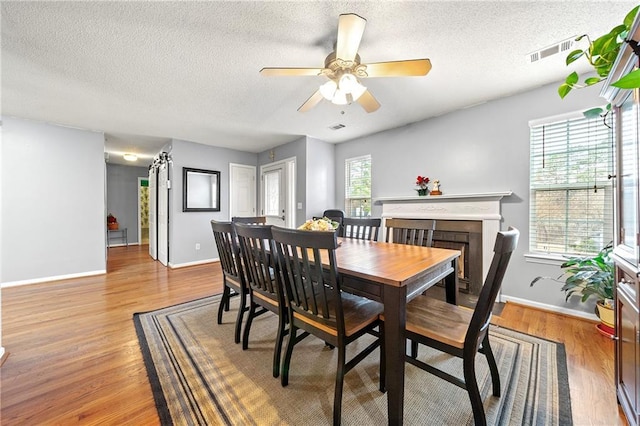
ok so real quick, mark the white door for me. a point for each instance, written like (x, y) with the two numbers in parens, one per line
(277, 195)
(163, 214)
(242, 190)
(153, 211)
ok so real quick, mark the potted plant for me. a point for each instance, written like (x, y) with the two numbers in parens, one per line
(601, 53)
(422, 182)
(112, 222)
(590, 277)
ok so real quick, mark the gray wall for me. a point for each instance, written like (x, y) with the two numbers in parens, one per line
(122, 197)
(297, 149)
(321, 173)
(480, 149)
(53, 192)
(187, 229)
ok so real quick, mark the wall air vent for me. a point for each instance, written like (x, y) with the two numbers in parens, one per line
(337, 126)
(560, 47)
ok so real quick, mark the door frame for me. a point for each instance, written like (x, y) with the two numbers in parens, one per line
(289, 167)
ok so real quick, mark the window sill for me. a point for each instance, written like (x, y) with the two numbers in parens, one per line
(545, 258)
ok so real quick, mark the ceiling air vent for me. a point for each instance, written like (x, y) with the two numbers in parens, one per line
(337, 126)
(562, 46)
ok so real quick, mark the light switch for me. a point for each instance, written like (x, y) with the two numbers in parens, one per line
(299, 206)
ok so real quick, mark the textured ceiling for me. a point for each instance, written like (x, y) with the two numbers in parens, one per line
(145, 72)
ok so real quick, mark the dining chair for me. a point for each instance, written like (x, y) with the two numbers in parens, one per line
(415, 232)
(232, 272)
(265, 283)
(361, 229)
(337, 216)
(317, 306)
(255, 220)
(460, 331)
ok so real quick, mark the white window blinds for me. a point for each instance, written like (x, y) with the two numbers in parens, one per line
(571, 210)
(358, 186)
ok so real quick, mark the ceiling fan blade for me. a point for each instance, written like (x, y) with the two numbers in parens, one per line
(311, 102)
(412, 67)
(350, 30)
(290, 71)
(368, 102)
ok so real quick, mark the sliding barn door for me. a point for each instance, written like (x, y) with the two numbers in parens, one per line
(153, 211)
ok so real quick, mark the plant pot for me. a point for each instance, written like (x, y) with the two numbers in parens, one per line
(423, 192)
(605, 313)
(112, 226)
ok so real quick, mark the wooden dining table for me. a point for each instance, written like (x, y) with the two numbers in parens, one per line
(393, 274)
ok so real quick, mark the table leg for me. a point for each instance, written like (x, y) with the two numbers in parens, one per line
(451, 284)
(395, 318)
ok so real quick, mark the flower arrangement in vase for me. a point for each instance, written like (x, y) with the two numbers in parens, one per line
(423, 185)
(112, 222)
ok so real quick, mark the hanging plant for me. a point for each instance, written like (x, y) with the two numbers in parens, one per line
(601, 55)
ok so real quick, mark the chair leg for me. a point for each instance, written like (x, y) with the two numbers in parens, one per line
(493, 367)
(414, 349)
(284, 371)
(472, 389)
(224, 302)
(282, 323)
(247, 326)
(337, 399)
(241, 309)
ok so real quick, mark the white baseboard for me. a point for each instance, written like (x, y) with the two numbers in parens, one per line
(55, 278)
(551, 308)
(197, 262)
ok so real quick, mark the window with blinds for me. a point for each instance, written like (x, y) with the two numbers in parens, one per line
(358, 186)
(571, 204)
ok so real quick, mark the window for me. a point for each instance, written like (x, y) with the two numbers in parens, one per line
(358, 186)
(571, 210)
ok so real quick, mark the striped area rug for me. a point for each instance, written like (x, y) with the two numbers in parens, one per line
(200, 377)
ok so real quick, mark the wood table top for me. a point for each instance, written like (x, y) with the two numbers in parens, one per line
(388, 263)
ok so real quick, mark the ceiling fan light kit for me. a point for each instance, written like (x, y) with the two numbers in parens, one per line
(343, 68)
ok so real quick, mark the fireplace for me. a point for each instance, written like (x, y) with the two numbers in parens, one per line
(466, 236)
(465, 222)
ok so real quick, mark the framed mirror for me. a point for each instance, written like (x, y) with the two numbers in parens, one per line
(200, 190)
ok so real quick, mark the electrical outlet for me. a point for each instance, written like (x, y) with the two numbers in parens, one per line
(197, 246)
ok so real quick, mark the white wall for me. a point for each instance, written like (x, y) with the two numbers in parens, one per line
(53, 219)
(480, 149)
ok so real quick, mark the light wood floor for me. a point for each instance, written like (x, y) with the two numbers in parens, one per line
(74, 355)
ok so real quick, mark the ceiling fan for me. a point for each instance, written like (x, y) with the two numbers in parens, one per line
(343, 69)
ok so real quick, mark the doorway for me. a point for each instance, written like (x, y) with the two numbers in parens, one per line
(143, 210)
(242, 190)
(278, 192)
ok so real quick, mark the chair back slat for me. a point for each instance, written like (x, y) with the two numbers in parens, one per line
(506, 242)
(254, 220)
(228, 250)
(415, 232)
(260, 266)
(313, 291)
(361, 229)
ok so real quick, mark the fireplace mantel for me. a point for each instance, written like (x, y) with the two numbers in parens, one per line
(483, 207)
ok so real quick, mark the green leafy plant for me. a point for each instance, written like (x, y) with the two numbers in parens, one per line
(601, 54)
(587, 276)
